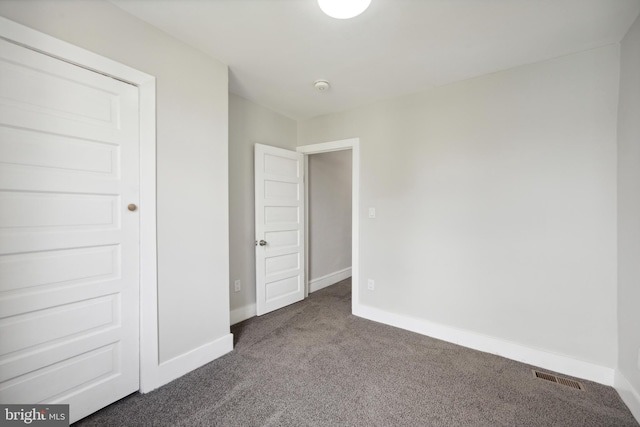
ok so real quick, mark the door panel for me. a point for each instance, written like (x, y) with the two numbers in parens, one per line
(69, 248)
(279, 221)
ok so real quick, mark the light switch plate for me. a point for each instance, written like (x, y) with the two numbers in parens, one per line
(371, 285)
(372, 212)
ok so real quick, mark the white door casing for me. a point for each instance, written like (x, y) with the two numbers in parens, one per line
(279, 216)
(352, 144)
(69, 247)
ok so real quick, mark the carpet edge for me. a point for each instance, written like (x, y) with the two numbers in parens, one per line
(544, 359)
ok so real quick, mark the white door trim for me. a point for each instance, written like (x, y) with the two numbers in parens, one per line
(146, 84)
(352, 144)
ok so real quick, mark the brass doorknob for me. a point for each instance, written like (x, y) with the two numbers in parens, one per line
(132, 207)
(262, 243)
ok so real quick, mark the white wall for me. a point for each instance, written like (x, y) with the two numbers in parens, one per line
(496, 204)
(329, 196)
(249, 124)
(629, 217)
(192, 180)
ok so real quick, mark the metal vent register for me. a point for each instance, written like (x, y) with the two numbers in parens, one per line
(558, 380)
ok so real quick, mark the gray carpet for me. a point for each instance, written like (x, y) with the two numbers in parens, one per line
(314, 364)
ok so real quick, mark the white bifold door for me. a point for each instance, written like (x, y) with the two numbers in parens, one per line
(279, 192)
(69, 233)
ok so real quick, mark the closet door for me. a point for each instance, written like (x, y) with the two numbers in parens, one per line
(69, 233)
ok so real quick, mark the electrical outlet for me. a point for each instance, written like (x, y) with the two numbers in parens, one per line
(371, 285)
(237, 286)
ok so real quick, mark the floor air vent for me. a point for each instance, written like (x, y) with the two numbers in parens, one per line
(558, 380)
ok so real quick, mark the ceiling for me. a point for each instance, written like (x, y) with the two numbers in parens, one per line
(276, 49)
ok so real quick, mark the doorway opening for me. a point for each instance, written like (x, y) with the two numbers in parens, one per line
(324, 271)
(328, 190)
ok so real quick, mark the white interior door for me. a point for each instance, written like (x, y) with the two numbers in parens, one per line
(69, 245)
(279, 227)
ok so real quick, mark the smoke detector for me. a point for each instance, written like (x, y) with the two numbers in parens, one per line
(321, 85)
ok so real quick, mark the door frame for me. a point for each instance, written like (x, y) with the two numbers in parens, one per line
(352, 144)
(48, 45)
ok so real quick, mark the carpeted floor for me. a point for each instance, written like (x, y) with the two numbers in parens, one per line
(314, 364)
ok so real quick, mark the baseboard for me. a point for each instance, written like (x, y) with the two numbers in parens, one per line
(532, 356)
(630, 396)
(243, 313)
(329, 279)
(187, 362)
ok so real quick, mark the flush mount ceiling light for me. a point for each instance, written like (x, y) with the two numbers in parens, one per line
(343, 9)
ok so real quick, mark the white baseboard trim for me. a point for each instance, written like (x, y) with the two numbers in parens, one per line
(187, 362)
(243, 313)
(630, 396)
(532, 356)
(329, 279)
